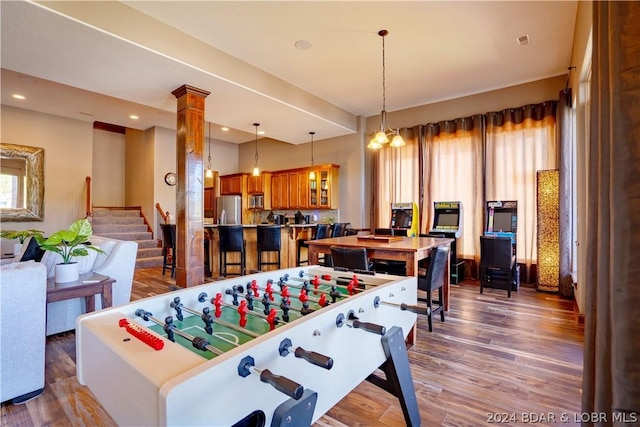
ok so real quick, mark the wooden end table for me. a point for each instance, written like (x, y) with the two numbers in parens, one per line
(88, 285)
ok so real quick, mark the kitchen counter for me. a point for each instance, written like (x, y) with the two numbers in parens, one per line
(255, 225)
(290, 234)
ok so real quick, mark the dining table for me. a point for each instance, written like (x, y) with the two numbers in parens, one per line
(410, 250)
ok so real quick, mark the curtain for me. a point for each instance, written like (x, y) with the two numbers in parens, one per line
(565, 124)
(452, 171)
(520, 141)
(611, 378)
(396, 177)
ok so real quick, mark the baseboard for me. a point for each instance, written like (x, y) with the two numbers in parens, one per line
(576, 311)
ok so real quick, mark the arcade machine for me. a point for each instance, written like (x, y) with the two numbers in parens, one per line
(502, 221)
(404, 219)
(404, 222)
(447, 221)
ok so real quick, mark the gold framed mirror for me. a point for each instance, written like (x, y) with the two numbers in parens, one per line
(21, 183)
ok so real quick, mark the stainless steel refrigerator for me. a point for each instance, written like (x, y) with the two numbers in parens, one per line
(229, 210)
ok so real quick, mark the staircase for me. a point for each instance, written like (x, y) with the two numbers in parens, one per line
(128, 224)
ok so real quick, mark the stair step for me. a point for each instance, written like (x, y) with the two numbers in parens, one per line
(147, 244)
(129, 236)
(110, 220)
(128, 224)
(149, 262)
(119, 228)
(149, 252)
(116, 212)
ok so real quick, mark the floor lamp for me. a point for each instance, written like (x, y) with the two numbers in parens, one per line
(547, 203)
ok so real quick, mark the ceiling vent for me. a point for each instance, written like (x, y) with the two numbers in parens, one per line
(524, 40)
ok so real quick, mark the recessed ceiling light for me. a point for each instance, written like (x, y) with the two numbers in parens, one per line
(85, 114)
(224, 129)
(260, 132)
(17, 96)
(133, 117)
(303, 44)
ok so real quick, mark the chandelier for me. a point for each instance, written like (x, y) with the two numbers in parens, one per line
(382, 136)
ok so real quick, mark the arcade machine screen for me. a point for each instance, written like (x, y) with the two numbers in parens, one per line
(404, 217)
(447, 220)
(502, 221)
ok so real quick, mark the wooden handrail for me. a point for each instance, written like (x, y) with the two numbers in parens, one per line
(165, 216)
(88, 197)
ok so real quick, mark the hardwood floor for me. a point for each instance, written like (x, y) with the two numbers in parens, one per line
(515, 358)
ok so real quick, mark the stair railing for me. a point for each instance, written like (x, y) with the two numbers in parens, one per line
(165, 215)
(88, 196)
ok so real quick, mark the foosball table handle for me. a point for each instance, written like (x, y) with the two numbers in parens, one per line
(282, 384)
(314, 358)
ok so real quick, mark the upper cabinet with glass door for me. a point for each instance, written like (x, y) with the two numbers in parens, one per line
(323, 189)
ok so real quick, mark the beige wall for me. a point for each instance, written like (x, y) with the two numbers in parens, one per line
(140, 154)
(68, 151)
(354, 158)
(108, 178)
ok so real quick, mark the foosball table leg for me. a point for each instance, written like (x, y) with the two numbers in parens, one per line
(398, 375)
(296, 412)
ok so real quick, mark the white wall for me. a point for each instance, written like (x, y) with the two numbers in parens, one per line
(68, 151)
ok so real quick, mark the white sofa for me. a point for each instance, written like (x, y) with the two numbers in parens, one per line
(23, 296)
(118, 262)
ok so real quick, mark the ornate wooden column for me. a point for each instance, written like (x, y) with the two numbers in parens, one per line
(190, 187)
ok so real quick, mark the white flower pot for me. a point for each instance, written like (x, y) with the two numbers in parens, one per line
(17, 247)
(66, 272)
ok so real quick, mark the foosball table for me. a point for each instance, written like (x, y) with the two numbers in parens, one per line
(272, 348)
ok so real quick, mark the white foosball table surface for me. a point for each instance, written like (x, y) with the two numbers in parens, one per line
(141, 386)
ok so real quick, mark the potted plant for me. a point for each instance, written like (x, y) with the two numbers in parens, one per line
(70, 243)
(21, 235)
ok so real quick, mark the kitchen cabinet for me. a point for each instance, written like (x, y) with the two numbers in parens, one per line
(280, 190)
(258, 184)
(323, 190)
(210, 199)
(231, 184)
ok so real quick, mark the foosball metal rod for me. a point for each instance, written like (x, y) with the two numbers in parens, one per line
(280, 383)
(305, 282)
(329, 278)
(353, 322)
(198, 342)
(353, 283)
(284, 293)
(207, 318)
(220, 337)
(402, 306)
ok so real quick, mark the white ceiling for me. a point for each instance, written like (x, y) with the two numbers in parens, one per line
(106, 60)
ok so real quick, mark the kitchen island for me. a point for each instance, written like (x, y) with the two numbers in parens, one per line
(288, 246)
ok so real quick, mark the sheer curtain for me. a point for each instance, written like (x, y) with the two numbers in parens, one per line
(452, 170)
(520, 142)
(396, 178)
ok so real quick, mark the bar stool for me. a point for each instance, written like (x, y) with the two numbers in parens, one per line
(268, 241)
(232, 240)
(168, 248)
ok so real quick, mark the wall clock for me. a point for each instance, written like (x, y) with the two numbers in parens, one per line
(171, 178)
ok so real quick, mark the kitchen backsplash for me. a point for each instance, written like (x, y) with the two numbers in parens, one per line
(316, 216)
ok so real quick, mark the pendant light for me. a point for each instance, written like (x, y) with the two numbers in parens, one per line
(382, 136)
(209, 172)
(312, 174)
(256, 171)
